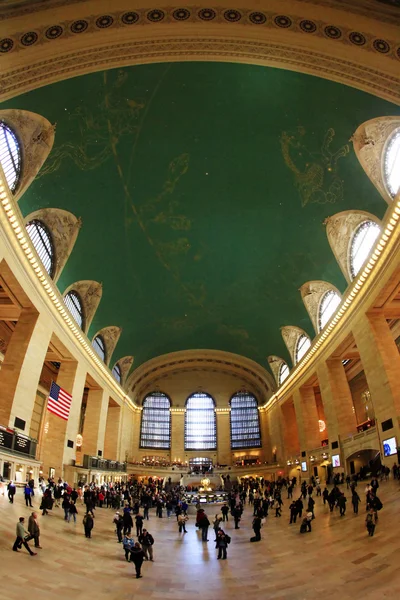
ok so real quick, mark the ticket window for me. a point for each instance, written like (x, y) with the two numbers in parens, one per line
(6, 470)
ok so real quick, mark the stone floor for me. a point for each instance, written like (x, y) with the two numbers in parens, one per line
(336, 560)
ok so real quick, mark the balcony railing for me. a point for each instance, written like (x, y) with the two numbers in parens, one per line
(14, 442)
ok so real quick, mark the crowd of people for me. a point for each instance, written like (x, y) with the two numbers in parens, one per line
(132, 502)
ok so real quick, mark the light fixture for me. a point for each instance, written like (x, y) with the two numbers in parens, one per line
(321, 425)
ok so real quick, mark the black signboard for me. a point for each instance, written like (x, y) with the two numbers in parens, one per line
(6, 438)
(22, 444)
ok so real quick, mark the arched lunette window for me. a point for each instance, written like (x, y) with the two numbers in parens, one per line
(116, 372)
(329, 302)
(391, 163)
(10, 156)
(302, 345)
(43, 244)
(100, 347)
(73, 303)
(361, 245)
(245, 422)
(200, 423)
(283, 373)
(155, 429)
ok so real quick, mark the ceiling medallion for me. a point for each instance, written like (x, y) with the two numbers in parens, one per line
(104, 21)
(155, 16)
(282, 21)
(129, 18)
(381, 46)
(333, 32)
(357, 38)
(258, 18)
(6, 45)
(29, 38)
(232, 15)
(207, 14)
(181, 14)
(79, 26)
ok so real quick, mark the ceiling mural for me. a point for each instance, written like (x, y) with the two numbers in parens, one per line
(202, 188)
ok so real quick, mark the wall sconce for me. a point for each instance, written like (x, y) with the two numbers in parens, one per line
(79, 440)
(297, 462)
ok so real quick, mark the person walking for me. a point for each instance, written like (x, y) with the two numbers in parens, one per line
(147, 541)
(22, 538)
(127, 520)
(342, 504)
(370, 522)
(203, 524)
(236, 514)
(182, 519)
(73, 511)
(222, 543)
(65, 505)
(257, 524)
(128, 544)
(11, 489)
(139, 524)
(293, 513)
(34, 529)
(137, 557)
(119, 525)
(88, 524)
(355, 500)
(28, 495)
(225, 511)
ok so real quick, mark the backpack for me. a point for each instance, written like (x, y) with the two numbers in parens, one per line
(227, 538)
(378, 504)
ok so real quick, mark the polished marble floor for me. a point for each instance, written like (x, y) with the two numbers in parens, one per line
(336, 560)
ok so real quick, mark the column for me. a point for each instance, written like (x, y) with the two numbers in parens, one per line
(289, 429)
(112, 432)
(381, 361)
(307, 418)
(22, 365)
(178, 435)
(51, 450)
(223, 437)
(95, 422)
(336, 399)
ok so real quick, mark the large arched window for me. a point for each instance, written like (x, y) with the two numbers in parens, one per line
(302, 345)
(391, 163)
(156, 422)
(10, 156)
(361, 245)
(283, 373)
(100, 347)
(43, 244)
(200, 423)
(245, 422)
(74, 305)
(116, 372)
(327, 308)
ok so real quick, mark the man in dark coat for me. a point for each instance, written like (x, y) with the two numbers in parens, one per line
(137, 557)
(257, 529)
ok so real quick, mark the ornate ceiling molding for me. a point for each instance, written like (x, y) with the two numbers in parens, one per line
(110, 335)
(90, 293)
(311, 294)
(214, 360)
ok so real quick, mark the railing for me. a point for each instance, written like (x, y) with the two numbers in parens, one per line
(13, 442)
(359, 436)
(102, 464)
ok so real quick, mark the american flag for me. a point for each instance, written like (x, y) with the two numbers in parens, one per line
(59, 401)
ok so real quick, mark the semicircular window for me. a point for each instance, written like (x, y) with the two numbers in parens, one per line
(302, 345)
(200, 422)
(155, 430)
(327, 308)
(43, 244)
(116, 372)
(100, 347)
(391, 163)
(10, 156)
(73, 303)
(283, 373)
(245, 422)
(363, 241)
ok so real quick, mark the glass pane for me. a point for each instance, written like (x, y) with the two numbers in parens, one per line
(329, 303)
(200, 423)
(41, 241)
(303, 344)
(73, 303)
(363, 241)
(245, 424)
(283, 373)
(156, 422)
(392, 163)
(117, 373)
(10, 156)
(99, 346)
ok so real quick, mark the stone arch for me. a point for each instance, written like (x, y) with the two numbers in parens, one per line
(125, 365)
(369, 142)
(340, 229)
(290, 335)
(275, 363)
(64, 228)
(110, 335)
(311, 294)
(36, 137)
(90, 293)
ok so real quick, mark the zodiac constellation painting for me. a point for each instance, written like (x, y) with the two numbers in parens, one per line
(316, 173)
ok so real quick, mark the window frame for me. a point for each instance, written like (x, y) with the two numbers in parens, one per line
(330, 292)
(296, 348)
(392, 139)
(245, 418)
(281, 366)
(41, 228)
(187, 411)
(17, 168)
(74, 294)
(155, 447)
(115, 367)
(366, 224)
(101, 344)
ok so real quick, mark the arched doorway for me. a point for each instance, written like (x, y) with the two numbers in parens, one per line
(364, 462)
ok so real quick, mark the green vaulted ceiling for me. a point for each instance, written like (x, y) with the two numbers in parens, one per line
(202, 188)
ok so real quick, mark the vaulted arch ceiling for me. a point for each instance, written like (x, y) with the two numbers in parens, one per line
(203, 188)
